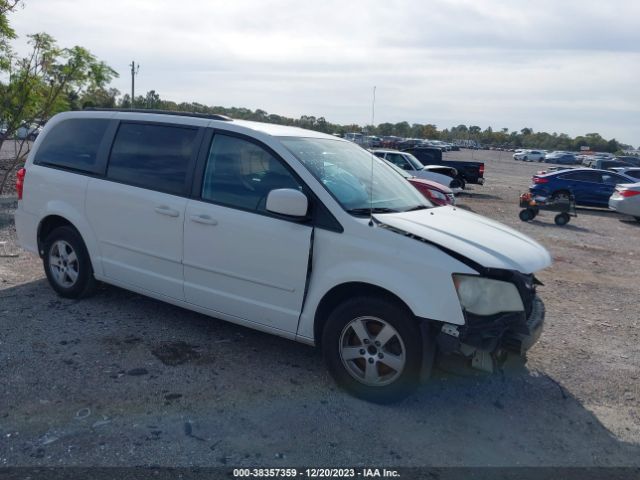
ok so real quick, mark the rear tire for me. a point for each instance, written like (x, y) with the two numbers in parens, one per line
(562, 219)
(67, 263)
(526, 215)
(373, 349)
(456, 183)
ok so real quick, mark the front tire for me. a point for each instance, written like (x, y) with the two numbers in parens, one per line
(67, 263)
(373, 349)
(455, 183)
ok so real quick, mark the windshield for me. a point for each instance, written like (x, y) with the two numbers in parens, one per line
(398, 170)
(346, 170)
(417, 164)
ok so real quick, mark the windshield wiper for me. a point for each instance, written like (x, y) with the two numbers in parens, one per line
(369, 211)
(417, 207)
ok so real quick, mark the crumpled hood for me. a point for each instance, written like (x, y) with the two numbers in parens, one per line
(486, 242)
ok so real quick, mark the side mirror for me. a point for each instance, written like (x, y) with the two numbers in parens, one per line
(287, 201)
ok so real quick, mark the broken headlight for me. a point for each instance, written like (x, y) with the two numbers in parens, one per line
(486, 296)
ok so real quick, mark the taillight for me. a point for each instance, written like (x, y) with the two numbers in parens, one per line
(482, 169)
(538, 180)
(20, 182)
(628, 193)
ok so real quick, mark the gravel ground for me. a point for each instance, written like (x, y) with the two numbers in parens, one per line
(120, 380)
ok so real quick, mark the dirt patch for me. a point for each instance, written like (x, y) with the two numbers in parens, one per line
(175, 353)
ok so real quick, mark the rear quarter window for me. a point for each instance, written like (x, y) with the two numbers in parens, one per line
(583, 176)
(153, 156)
(73, 144)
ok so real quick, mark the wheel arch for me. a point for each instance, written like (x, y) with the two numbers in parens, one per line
(342, 292)
(55, 220)
(48, 224)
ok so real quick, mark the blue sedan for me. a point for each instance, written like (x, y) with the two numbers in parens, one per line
(591, 187)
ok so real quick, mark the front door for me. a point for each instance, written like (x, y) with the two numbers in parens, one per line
(239, 259)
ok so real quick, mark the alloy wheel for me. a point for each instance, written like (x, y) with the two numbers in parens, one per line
(372, 351)
(63, 263)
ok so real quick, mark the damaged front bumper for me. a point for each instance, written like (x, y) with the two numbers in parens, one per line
(486, 340)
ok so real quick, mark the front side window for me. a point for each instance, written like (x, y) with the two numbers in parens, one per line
(399, 161)
(150, 156)
(73, 144)
(357, 179)
(241, 174)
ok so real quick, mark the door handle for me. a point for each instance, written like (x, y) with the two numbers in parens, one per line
(204, 219)
(164, 210)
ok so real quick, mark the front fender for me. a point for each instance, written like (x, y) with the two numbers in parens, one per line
(423, 284)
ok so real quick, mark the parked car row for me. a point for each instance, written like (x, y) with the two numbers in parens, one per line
(397, 143)
(601, 161)
(25, 132)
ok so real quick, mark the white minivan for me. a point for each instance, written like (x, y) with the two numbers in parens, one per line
(289, 231)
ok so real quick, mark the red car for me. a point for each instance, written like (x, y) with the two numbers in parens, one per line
(435, 192)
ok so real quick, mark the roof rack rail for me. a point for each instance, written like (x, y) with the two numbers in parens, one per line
(162, 112)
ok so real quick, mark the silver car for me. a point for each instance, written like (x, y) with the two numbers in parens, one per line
(626, 199)
(412, 165)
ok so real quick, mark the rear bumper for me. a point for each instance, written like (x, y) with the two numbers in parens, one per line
(27, 230)
(624, 206)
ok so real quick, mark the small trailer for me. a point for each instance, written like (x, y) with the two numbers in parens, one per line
(532, 205)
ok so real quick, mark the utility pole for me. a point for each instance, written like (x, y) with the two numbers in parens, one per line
(373, 107)
(134, 71)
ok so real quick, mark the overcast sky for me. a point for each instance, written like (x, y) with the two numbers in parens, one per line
(554, 65)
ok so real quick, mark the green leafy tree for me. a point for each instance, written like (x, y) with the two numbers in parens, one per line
(48, 80)
(152, 100)
(385, 129)
(402, 129)
(430, 131)
(6, 32)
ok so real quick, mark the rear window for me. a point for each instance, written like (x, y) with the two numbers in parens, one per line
(73, 144)
(584, 176)
(150, 156)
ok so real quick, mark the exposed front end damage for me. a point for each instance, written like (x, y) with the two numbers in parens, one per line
(503, 316)
(487, 341)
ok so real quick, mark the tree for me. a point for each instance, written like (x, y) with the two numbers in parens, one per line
(430, 131)
(48, 80)
(402, 129)
(385, 129)
(96, 98)
(152, 100)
